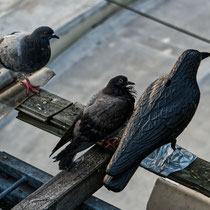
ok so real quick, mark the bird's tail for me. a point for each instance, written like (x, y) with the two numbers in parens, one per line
(65, 158)
(118, 183)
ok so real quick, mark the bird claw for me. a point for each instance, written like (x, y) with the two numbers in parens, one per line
(30, 87)
(112, 142)
(103, 141)
(173, 144)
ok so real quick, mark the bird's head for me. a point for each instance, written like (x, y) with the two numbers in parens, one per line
(189, 62)
(120, 84)
(195, 55)
(45, 33)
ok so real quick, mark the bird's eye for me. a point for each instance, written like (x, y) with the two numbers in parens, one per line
(45, 32)
(120, 80)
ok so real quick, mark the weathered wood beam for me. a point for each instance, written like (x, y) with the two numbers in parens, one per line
(196, 176)
(49, 112)
(68, 190)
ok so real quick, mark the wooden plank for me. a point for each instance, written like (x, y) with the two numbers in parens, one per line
(56, 120)
(44, 105)
(18, 168)
(6, 77)
(68, 190)
(66, 117)
(15, 169)
(94, 203)
(57, 131)
(196, 176)
(90, 169)
(15, 93)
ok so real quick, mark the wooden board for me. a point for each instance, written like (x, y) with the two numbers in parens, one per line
(69, 189)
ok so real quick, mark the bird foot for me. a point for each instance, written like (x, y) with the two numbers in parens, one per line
(30, 87)
(112, 142)
(173, 144)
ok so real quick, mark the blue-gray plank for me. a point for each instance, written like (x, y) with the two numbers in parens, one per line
(13, 172)
(94, 203)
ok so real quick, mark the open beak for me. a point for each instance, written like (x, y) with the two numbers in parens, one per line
(130, 87)
(130, 83)
(55, 36)
(204, 55)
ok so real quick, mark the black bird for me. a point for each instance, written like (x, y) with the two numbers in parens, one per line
(163, 111)
(102, 118)
(25, 52)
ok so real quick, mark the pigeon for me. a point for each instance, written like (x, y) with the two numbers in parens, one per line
(26, 53)
(102, 118)
(163, 111)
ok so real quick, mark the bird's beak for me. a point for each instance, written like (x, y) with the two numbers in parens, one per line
(55, 36)
(130, 83)
(204, 55)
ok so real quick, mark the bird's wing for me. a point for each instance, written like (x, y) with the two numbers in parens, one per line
(109, 113)
(118, 183)
(158, 115)
(102, 116)
(93, 98)
(66, 137)
(10, 50)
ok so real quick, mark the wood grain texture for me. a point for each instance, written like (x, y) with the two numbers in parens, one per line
(69, 189)
(196, 176)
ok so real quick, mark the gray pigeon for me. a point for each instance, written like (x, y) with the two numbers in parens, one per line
(102, 118)
(25, 52)
(163, 111)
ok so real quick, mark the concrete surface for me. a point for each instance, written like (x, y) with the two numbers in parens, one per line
(169, 195)
(28, 14)
(125, 44)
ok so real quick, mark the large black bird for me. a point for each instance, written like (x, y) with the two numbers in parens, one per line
(102, 118)
(25, 52)
(163, 111)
